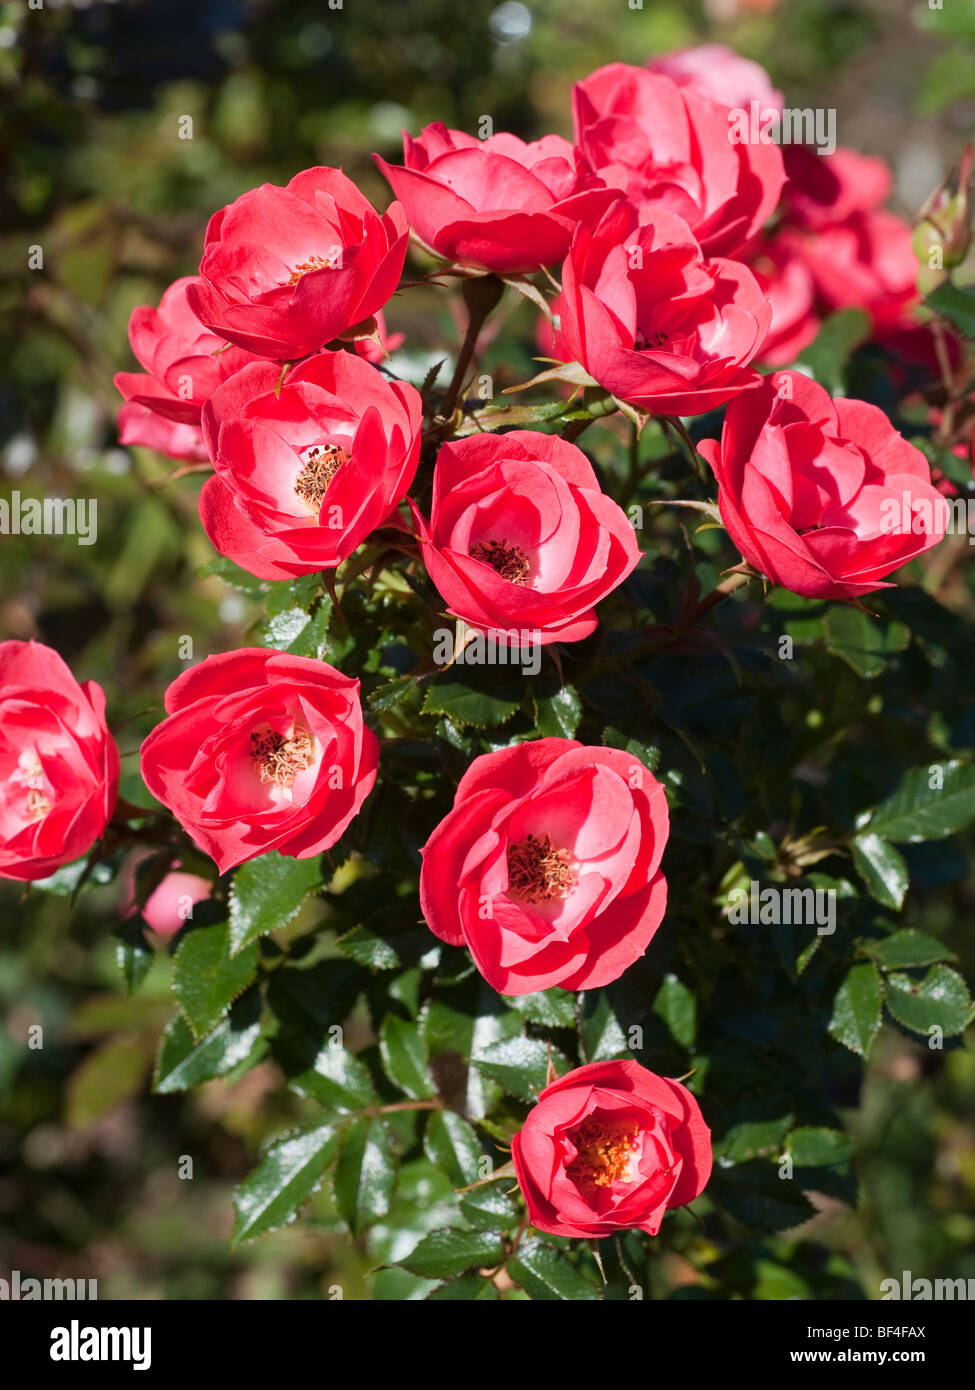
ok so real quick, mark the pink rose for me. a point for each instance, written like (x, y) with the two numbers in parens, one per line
(59, 766)
(548, 865)
(822, 496)
(498, 204)
(521, 537)
(652, 321)
(719, 73)
(137, 424)
(170, 904)
(304, 473)
(184, 364)
(287, 270)
(262, 751)
(669, 149)
(610, 1146)
(787, 283)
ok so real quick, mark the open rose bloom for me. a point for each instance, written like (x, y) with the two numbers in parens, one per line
(304, 470)
(654, 322)
(59, 766)
(822, 496)
(667, 148)
(610, 1146)
(521, 537)
(498, 204)
(286, 270)
(262, 751)
(548, 865)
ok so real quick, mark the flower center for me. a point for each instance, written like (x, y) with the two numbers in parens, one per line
(510, 562)
(538, 871)
(29, 777)
(605, 1150)
(642, 340)
(320, 464)
(280, 759)
(313, 263)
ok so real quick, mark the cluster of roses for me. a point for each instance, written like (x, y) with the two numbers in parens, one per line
(268, 364)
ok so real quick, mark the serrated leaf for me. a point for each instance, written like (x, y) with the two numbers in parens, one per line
(469, 1287)
(558, 712)
(489, 1208)
(676, 1005)
(133, 955)
(392, 952)
(207, 979)
(904, 949)
(754, 1194)
(856, 1009)
(267, 893)
(919, 811)
(183, 1062)
(520, 1065)
(405, 1059)
(551, 1008)
(753, 1139)
(882, 869)
(602, 1034)
(546, 1274)
(282, 1182)
(365, 1174)
(443, 1254)
(336, 1079)
(819, 1147)
(464, 701)
(939, 1000)
(451, 1145)
(864, 642)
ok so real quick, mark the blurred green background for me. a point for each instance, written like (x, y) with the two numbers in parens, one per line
(95, 173)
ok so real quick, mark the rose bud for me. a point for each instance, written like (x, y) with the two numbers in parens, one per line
(652, 321)
(497, 204)
(170, 905)
(59, 765)
(548, 865)
(669, 149)
(262, 751)
(822, 496)
(184, 363)
(305, 469)
(610, 1146)
(286, 270)
(521, 537)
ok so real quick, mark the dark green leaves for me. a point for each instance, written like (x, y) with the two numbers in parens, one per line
(365, 1174)
(405, 1059)
(268, 892)
(956, 303)
(520, 1065)
(206, 979)
(903, 949)
(184, 1061)
(452, 1146)
(482, 700)
(882, 868)
(939, 1000)
(856, 1009)
(931, 802)
(546, 1273)
(443, 1254)
(287, 1175)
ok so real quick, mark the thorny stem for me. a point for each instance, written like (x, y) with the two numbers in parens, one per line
(480, 296)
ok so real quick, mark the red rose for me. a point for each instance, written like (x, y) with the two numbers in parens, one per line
(498, 204)
(547, 866)
(305, 472)
(59, 765)
(787, 283)
(261, 751)
(718, 72)
(521, 537)
(609, 1147)
(137, 424)
(824, 189)
(667, 148)
(652, 321)
(286, 270)
(822, 496)
(867, 262)
(184, 363)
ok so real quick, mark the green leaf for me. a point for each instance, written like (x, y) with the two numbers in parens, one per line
(336, 1079)
(489, 1208)
(392, 952)
(443, 1254)
(405, 1059)
(882, 868)
(552, 1008)
(470, 1287)
(856, 1009)
(207, 979)
(919, 811)
(827, 356)
(290, 1171)
(463, 699)
(364, 1175)
(904, 949)
(818, 1147)
(602, 1033)
(113, 1073)
(676, 1005)
(957, 302)
(558, 712)
(182, 1062)
(864, 642)
(133, 955)
(940, 1000)
(520, 1065)
(756, 1195)
(267, 893)
(753, 1139)
(546, 1274)
(452, 1146)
